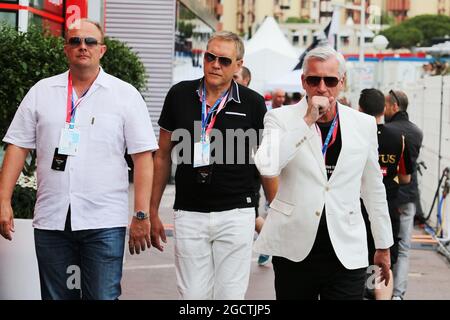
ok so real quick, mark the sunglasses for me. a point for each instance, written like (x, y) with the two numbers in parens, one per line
(314, 81)
(392, 93)
(88, 41)
(223, 61)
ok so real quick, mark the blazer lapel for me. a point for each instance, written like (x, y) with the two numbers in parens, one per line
(316, 147)
(345, 135)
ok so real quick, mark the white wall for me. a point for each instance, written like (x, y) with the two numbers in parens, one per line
(429, 98)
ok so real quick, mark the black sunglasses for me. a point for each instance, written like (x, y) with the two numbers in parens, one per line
(224, 61)
(88, 41)
(392, 93)
(314, 81)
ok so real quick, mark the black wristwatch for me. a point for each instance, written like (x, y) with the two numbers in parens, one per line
(141, 215)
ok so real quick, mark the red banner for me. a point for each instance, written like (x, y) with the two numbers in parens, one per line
(75, 9)
(54, 6)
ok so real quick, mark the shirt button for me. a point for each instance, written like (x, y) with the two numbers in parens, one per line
(318, 213)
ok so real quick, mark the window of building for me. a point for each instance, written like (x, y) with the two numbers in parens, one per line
(8, 17)
(191, 38)
(55, 28)
(51, 6)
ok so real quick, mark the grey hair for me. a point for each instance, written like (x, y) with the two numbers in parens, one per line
(325, 53)
(230, 36)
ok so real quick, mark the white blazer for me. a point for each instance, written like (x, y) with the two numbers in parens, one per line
(293, 151)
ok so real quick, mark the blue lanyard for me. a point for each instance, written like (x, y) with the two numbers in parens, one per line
(74, 110)
(206, 116)
(330, 133)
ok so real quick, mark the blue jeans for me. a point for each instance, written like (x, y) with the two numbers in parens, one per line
(401, 268)
(84, 264)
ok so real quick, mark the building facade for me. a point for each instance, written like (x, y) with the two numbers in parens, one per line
(244, 16)
(49, 14)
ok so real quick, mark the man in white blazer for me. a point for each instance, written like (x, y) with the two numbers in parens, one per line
(325, 155)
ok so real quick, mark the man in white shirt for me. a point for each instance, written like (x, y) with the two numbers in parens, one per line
(80, 122)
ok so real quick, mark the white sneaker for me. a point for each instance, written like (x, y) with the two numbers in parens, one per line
(396, 298)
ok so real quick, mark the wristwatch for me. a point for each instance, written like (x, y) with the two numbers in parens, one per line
(141, 215)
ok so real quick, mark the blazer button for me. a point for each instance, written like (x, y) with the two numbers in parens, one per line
(327, 189)
(318, 213)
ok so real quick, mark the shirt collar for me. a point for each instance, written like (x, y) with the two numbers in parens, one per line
(234, 92)
(101, 80)
(401, 115)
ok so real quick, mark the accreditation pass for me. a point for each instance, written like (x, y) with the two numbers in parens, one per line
(69, 141)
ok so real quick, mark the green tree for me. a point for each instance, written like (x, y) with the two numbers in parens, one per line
(186, 29)
(120, 61)
(431, 26)
(419, 30)
(26, 59)
(297, 20)
(403, 37)
(387, 19)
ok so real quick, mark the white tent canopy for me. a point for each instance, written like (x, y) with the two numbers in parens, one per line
(289, 82)
(269, 55)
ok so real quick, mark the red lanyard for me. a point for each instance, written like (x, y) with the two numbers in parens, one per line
(71, 105)
(213, 120)
(219, 105)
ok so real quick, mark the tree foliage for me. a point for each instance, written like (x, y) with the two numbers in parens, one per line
(297, 20)
(418, 31)
(403, 37)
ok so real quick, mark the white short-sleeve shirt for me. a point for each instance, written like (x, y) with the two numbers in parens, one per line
(112, 117)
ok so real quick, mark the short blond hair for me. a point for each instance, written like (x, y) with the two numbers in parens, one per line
(77, 22)
(230, 36)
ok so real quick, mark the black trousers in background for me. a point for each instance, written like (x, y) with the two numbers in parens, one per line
(321, 274)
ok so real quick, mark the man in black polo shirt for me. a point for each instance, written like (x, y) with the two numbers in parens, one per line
(396, 168)
(397, 117)
(214, 206)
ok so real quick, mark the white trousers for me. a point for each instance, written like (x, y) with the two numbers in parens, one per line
(213, 253)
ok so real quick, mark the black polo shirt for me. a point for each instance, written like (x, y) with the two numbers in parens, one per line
(394, 158)
(232, 183)
(414, 137)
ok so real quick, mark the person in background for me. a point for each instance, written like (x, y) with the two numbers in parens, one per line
(278, 98)
(243, 76)
(396, 168)
(296, 97)
(397, 117)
